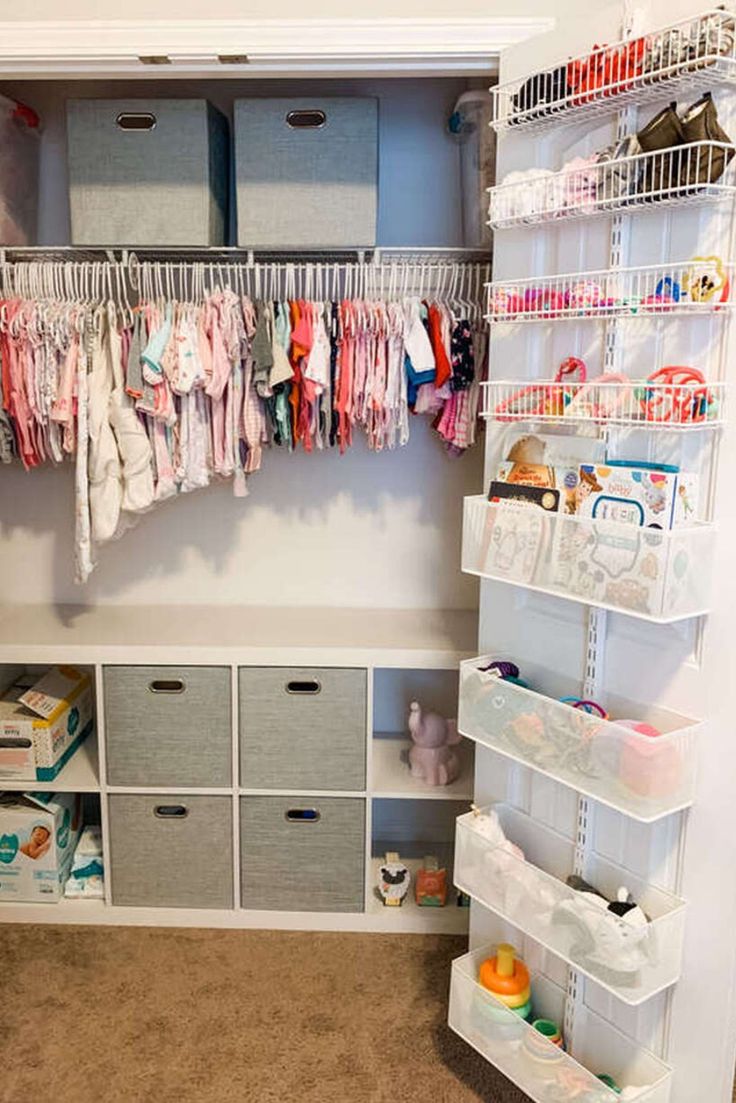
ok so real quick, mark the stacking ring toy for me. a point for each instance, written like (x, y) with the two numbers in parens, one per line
(506, 976)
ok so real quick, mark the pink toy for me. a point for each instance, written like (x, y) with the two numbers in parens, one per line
(649, 766)
(432, 758)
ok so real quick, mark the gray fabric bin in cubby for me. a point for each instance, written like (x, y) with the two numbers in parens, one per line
(147, 172)
(307, 171)
(171, 851)
(302, 853)
(302, 728)
(168, 725)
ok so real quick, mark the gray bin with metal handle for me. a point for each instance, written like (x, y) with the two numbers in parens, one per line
(307, 171)
(302, 728)
(302, 853)
(147, 172)
(168, 726)
(171, 851)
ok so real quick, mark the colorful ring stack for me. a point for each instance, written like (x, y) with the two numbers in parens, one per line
(507, 977)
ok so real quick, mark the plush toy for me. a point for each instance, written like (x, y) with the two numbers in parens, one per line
(432, 758)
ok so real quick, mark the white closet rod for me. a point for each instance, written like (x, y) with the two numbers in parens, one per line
(190, 281)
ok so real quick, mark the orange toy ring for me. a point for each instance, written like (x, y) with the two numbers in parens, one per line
(504, 986)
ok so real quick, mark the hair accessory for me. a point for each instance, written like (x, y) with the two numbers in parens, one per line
(502, 668)
(591, 707)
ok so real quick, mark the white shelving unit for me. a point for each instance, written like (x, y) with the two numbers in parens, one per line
(409, 644)
(638, 69)
(635, 813)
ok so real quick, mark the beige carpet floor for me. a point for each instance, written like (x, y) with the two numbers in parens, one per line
(128, 1015)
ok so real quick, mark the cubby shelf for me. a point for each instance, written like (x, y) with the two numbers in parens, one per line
(80, 775)
(531, 893)
(642, 776)
(392, 776)
(533, 1063)
(642, 182)
(658, 575)
(451, 919)
(700, 51)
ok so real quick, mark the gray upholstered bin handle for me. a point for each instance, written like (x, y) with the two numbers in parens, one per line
(302, 815)
(167, 685)
(306, 119)
(8, 742)
(171, 811)
(136, 121)
(306, 687)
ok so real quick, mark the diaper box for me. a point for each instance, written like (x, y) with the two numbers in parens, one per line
(42, 725)
(38, 837)
(649, 496)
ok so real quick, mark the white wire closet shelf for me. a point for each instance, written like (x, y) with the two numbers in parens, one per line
(698, 286)
(679, 175)
(645, 777)
(696, 51)
(659, 575)
(544, 1072)
(632, 963)
(680, 407)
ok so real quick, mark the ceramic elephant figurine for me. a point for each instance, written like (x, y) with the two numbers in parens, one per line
(432, 758)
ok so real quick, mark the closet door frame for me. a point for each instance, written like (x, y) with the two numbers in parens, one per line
(253, 47)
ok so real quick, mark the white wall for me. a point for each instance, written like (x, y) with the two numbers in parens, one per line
(358, 530)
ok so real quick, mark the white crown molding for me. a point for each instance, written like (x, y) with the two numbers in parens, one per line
(98, 47)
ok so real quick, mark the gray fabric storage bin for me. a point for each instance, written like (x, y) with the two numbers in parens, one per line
(291, 862)
(302, 728)
(160, 185)
(161, 859)
(168, 725)
(307, 186)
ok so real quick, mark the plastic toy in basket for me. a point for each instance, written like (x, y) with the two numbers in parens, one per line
(680, 396)
(707, 280)
(543, 399)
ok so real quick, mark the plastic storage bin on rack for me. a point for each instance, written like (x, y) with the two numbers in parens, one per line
(644, 181)
(700, 50)
(638, 404)
(700, 286)
(534, 1064)
(645, 777)
(540, 903)
(656, 574)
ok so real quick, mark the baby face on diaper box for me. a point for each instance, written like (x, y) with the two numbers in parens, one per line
(38, 836)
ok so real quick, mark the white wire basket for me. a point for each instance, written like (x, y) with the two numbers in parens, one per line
(545, 1073)
(700, 50)
(532, 893)
(678, 175)
(698, 286)
(644, 405)
(659, 575)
